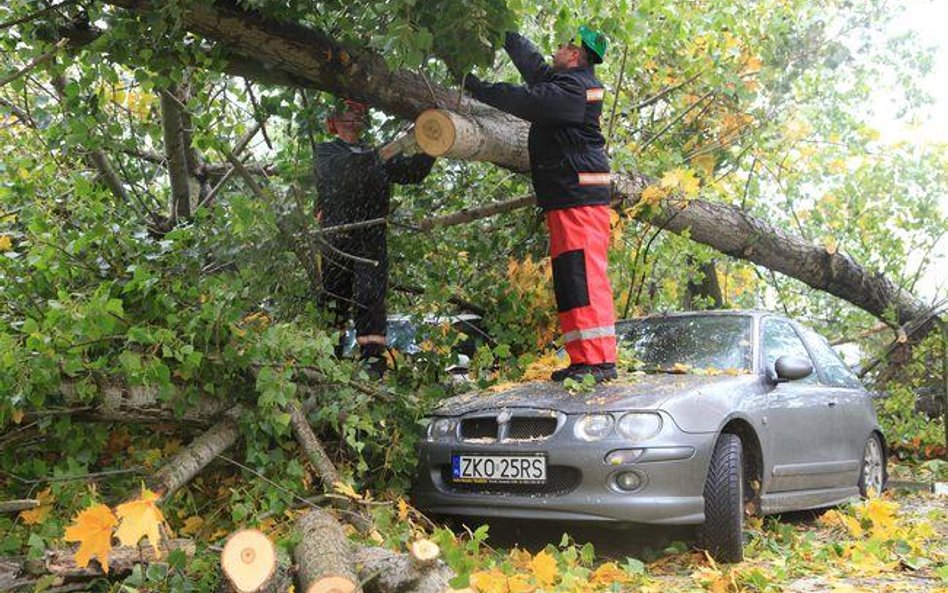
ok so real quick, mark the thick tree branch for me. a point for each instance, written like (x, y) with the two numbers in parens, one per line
(175, 155)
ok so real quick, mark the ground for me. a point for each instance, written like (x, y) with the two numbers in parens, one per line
(895, 543)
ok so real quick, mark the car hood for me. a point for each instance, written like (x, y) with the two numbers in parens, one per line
(645, 392)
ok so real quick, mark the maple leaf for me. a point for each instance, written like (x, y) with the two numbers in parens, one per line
(492, 581)
(544, 568)
(6, 243)
(140, 517)
(607, 574)
(41, 513)
(520, 558)
(671, 179)
(92, 528)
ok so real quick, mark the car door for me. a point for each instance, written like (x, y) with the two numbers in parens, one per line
(851, 414)
(798, 422)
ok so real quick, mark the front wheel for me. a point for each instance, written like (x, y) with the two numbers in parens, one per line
(872, 475)
(722, 532)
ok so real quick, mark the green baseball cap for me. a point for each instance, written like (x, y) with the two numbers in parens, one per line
(594, 42)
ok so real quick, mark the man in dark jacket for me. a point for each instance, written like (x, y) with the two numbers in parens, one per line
(571, 179)
(354, 184)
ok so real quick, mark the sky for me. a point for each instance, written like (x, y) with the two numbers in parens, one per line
(927, 19)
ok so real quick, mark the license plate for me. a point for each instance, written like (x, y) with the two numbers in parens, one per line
(499, 469)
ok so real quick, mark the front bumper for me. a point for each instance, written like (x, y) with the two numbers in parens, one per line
(581, 484)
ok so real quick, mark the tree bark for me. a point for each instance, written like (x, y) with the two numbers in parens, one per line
(312, 447)
(299, 53)
(176, 155)
(323, 555)
(15, 506)
(61, 562)
(181, 469)
(385, 571)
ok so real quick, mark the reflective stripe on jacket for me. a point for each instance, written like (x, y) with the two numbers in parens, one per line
(568, 161)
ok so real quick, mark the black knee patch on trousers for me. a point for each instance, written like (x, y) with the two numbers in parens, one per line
(569, 280)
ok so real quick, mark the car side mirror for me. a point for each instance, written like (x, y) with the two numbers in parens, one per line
(792, 368)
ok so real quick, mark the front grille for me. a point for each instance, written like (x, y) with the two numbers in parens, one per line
(531, 428)
(479, 428)
(560, 480)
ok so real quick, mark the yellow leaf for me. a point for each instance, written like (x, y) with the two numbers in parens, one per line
(671, 179)
(40, 513)
(492, 581)
(520, 583)
(520, 558)
(403, 509)
(17, 416)
(346, 490)
(544, 568)
(192, 525)
(92, 528)
(140, 517)
(652, 194)
(829, 244)
(375, 536)
(704, 163)
(6, 243)
(607, 574)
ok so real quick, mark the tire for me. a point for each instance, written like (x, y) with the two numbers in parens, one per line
(872, 474)
(722, 532)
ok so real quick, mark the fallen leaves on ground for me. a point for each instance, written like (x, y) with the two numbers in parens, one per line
(40, 513)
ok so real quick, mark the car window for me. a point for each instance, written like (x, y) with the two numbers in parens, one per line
(721, 342)
(778, 338)
(835, 370)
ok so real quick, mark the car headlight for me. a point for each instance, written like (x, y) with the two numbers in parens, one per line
(593, 427)
(638, 427)
(441, 428)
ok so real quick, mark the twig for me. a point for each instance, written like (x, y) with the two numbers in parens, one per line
(34, 15)
(89, 476)
(34, 63)
(615, 102)
(305, 501)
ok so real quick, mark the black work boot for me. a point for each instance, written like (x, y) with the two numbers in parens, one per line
(605, 371)
(372, 360)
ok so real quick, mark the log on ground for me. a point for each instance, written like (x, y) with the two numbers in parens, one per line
(323, 555)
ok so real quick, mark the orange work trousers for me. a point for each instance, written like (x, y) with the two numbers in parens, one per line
(579, 246)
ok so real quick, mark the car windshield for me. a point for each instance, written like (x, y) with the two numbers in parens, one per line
(679, 344)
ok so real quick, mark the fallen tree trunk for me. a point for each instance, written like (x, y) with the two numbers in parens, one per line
(61, 562)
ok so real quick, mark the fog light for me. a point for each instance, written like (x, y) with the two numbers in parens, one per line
(628, 481)
(624, 456)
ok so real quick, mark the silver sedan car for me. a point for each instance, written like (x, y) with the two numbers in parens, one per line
(730, 413)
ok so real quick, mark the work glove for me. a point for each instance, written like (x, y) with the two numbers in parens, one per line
(472, 83)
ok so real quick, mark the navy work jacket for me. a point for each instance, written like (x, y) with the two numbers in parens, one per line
(568, 160)
(354, 184)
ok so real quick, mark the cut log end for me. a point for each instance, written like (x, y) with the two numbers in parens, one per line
(435, 132)
(424, 551)
(332, 584)
(248, 560)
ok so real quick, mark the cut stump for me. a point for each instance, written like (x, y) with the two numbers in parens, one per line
(248, 560)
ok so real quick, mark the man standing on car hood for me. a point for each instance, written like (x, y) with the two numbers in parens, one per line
(571, 179)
